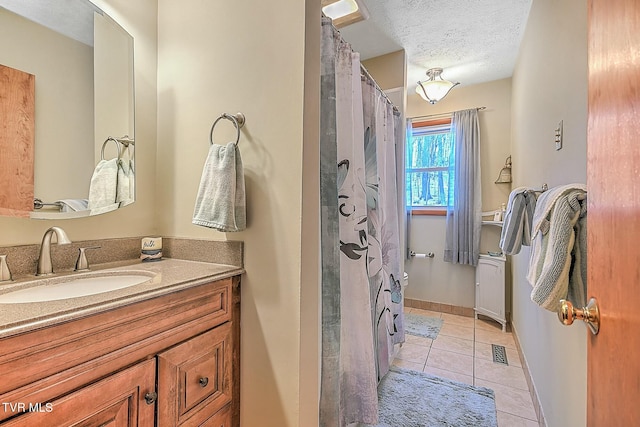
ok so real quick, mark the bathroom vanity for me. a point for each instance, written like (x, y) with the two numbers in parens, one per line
(164, 353)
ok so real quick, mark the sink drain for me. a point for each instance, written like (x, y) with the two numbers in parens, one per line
(499, 354)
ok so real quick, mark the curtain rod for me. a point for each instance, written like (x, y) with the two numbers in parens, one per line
(370, 77)
(363, 70)
(431, 116)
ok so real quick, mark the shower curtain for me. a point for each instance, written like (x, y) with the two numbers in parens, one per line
(362, 312)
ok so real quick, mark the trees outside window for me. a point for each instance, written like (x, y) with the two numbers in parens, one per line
(430, 154)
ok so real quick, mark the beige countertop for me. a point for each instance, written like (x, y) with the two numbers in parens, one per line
(171, 275)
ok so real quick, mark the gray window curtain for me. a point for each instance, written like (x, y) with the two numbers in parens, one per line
(464, 215)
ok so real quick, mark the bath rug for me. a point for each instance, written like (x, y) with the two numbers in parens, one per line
(422, 326)
(414, 399)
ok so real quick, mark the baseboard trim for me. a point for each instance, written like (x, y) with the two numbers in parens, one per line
(439, 307)
(532, 387)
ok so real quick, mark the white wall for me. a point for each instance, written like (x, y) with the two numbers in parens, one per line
(433, 279)
(248, 56)
(549, 85)
(140, 20)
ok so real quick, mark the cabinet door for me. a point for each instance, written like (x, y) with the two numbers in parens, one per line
(194, 378)
(115, 401)
(490, 289)
(222, 418)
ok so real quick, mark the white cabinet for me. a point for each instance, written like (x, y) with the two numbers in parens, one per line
(490, 289)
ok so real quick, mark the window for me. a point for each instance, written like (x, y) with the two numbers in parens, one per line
(430, 153)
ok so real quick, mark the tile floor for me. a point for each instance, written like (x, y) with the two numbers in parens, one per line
(462, 352)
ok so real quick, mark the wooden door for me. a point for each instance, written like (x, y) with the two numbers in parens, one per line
(115, 401)
(17, 134)
(613, 179)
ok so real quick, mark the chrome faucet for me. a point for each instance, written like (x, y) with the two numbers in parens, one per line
(44, 261)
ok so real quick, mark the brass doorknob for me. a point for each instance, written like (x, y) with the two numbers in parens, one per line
(590, 314)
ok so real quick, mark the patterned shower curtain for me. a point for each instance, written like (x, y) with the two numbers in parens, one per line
(362, 313)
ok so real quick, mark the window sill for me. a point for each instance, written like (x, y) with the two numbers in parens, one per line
(435, 212)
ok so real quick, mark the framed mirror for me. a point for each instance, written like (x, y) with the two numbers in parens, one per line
(82, 118)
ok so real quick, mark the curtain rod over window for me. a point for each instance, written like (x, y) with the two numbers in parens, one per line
(440, 115)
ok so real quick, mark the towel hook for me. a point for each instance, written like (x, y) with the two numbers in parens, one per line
(238, 121)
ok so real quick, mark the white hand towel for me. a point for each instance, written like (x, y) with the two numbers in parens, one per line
(123, 188)
(220, 202)
(132, 180)
(102, 190)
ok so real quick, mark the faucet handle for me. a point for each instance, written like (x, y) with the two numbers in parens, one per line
(82, 264)
(5, 273)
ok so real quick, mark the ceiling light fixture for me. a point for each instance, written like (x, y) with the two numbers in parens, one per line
(436, 88)
(345, 12)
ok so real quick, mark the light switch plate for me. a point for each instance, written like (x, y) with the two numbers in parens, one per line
(558, 135)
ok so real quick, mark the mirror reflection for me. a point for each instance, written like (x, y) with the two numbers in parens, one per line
(83, 143)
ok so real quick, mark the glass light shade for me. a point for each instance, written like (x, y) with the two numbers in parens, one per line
(340, 8)
(434, 89)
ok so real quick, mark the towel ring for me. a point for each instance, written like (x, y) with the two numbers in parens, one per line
(237, 120)
(104, 144)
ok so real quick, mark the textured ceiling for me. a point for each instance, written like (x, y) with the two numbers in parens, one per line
(474, 41)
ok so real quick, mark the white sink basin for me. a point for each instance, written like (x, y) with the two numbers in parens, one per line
(74, 286)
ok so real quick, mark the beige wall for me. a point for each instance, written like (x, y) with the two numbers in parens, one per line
(247, 56)
(139, 19)
(433, 279)
(113, 80)
(388, 70)
(549, 85)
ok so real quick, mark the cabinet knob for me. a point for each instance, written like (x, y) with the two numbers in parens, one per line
(203, 381)
(151, 397)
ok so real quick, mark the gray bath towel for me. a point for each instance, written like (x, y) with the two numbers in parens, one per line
(220, 202)
(557, 267)
(516, 227)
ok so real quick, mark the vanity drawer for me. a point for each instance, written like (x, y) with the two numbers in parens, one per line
(194, 378)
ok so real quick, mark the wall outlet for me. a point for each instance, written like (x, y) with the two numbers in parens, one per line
(558, 134)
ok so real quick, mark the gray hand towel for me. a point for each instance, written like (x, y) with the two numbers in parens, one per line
(220, 202)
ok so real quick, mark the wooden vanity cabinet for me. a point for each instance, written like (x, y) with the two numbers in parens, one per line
(168, 361)
(116, 401)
